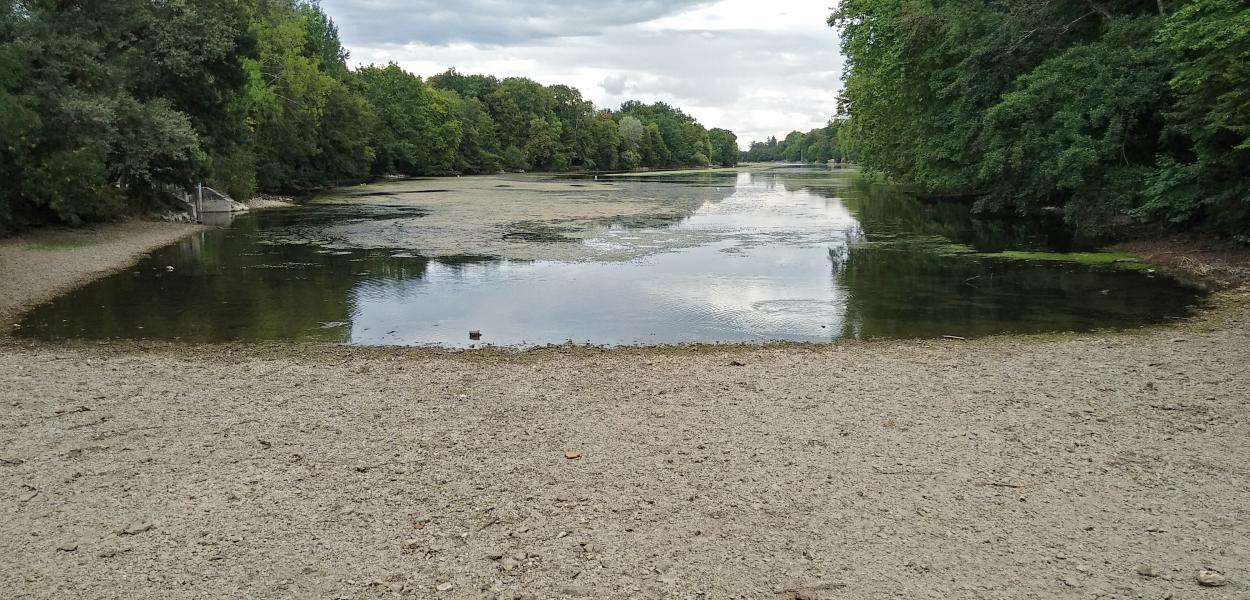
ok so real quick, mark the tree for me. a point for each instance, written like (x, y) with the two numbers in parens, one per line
(1210, 42)
(605, 143)
(724, 151)
(1111, 109)
(416, 131)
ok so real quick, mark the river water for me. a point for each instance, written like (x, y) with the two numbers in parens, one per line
(802, 255)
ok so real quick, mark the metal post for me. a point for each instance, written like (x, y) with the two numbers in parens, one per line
(199, 202)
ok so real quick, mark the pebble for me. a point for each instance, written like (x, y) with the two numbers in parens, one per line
(68, 547)
(445, 587)
(135, 528)
(664, 566)
(571, 589)
(1209, 578)
(509, 564)
(411, 544)
(1147, 570)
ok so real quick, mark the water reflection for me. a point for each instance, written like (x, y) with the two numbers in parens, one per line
(800, 255)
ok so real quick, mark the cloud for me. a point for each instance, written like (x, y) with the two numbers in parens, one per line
(614, 85)
(755, 68)
(492, 22)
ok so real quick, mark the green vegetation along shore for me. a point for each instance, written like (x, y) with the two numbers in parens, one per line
(1116, 111)
(105, 104)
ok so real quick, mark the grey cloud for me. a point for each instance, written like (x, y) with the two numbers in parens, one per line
(614, 85)
(756, 82)
(490, 22)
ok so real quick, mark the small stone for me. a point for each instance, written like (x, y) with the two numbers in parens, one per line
(572, 455)
(1209, 578)
(509, 564)
(1147, 570)
(518, 555)
(572, 589)
(494, 555)
(68, 547)
(169, 268)
(445, 587)
(411, 544)
(135, 528)
(664, 566)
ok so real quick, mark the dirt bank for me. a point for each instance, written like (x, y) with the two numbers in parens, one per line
(1051, 467)
(42, 265)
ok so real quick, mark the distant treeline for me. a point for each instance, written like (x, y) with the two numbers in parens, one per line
(103, 104)
(816, 146)
(1115, 110)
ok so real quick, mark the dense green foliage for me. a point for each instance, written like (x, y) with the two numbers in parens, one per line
(816, 146)
(1110, 109)
(105, 105)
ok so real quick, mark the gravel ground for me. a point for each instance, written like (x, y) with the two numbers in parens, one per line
(1015, 467)
(40, 266)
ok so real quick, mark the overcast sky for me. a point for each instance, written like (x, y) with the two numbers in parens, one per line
(756, 68)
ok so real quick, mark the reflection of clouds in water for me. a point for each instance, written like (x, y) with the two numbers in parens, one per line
(772, 292)
(751, 265)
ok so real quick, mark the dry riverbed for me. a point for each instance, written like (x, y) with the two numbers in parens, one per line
(1091, 466)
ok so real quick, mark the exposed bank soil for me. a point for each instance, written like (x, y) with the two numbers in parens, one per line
(513, 217)
(1012, 467)
(1220, 265)
(39, 266)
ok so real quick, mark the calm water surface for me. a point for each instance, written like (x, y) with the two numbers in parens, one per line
(803, 255)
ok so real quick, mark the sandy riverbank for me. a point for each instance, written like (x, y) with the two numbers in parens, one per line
(1012, 467)
(1002, 468)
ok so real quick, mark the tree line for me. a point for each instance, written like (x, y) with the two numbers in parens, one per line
(104, 105)
(819, 145)
(1116, 111)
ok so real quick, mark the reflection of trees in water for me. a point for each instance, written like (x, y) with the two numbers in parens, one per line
(883, 211)
(840, 252)
(225, 286)
(897, 291)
